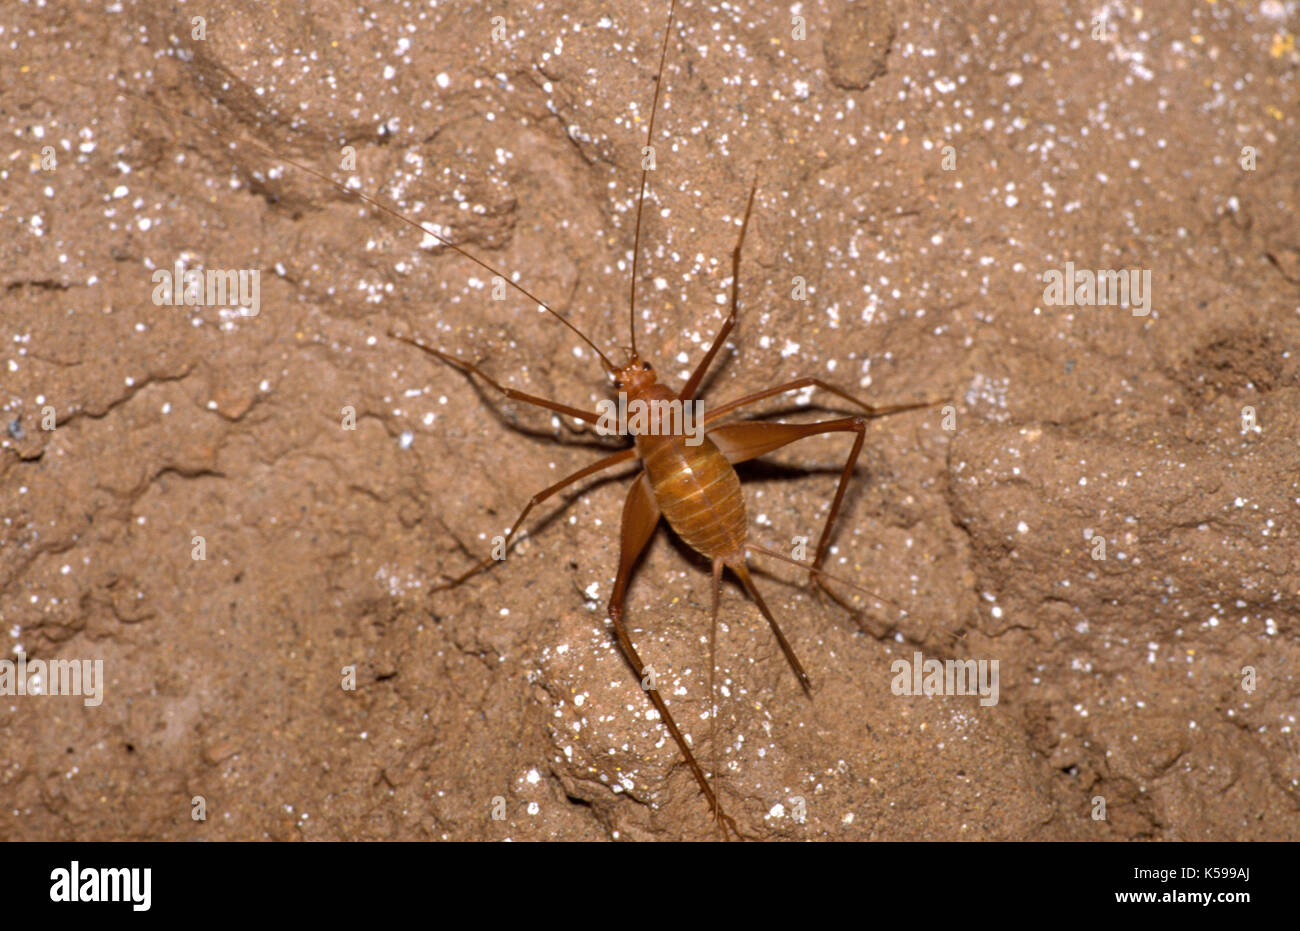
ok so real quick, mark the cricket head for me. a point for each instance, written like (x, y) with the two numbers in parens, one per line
(633, 376)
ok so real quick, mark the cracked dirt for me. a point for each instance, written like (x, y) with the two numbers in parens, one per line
(1170, 436)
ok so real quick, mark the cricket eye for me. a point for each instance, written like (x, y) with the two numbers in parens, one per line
(618, 383)
(646, 366)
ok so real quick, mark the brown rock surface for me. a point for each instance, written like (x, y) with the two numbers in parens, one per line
(1121, 678)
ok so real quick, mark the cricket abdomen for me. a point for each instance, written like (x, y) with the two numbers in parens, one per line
(698, 492)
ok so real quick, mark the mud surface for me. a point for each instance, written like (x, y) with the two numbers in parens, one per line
(1171, 436)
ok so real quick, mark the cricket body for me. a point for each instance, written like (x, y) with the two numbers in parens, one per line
(695, 488)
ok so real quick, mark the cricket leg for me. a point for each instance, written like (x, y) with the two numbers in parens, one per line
(752, 547)
(693, 383)
(640, 517)
(599, 465)
(749, 440)
(741, 569)
(871, 411)
(713, 665)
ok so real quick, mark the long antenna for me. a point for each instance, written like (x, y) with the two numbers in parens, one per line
(378, 205)
(649, 141)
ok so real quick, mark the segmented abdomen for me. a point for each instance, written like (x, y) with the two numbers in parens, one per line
(698, 492)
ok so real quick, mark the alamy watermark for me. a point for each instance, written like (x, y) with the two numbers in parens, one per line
(923, 676)
(657, 417)
(213, 287)
(76, 883)
(53, 677)
(1125, 287)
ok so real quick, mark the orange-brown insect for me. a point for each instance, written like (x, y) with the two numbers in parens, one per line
(695, 488)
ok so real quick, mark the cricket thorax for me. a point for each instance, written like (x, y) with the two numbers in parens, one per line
(644, 408)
